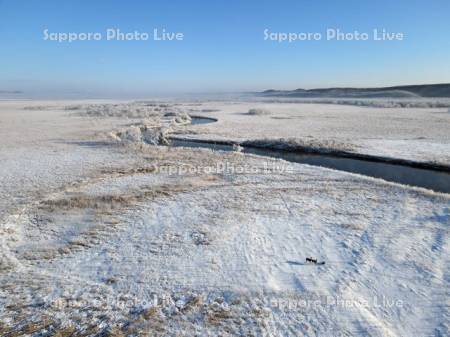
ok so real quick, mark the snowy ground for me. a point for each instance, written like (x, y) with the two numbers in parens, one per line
(103, 233)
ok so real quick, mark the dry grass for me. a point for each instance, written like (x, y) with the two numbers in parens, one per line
(192, 303)
(65, 332)
(111, 201)
(215, 316)
(28, 328)
(218, 316)
(127, 172)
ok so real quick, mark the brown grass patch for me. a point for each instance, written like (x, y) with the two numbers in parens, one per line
(111, 201)
(217, 315)
(125, 172)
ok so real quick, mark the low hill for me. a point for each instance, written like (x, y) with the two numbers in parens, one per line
(405, 91)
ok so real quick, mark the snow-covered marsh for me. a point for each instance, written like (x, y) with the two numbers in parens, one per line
(98, 239)
(414, 134)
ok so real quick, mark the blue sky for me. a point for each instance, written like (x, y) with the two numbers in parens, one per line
(223, 47)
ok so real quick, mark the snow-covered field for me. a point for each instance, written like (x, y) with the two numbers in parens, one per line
(105, 231)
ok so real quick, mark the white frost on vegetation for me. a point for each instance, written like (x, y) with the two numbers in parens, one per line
(303, 145)
(153, 135)
(374, 103)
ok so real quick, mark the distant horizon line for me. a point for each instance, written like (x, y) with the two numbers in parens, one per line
(93, 93)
